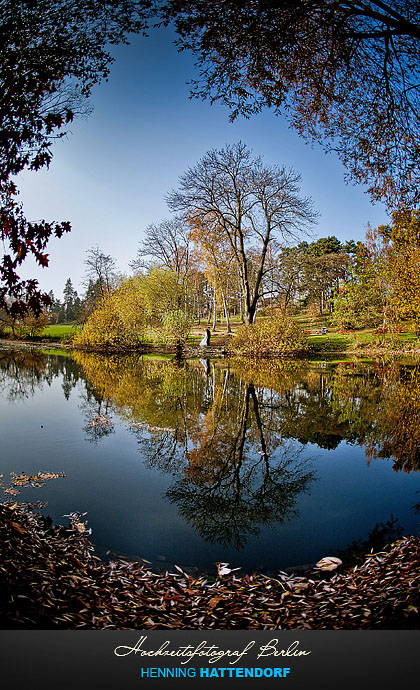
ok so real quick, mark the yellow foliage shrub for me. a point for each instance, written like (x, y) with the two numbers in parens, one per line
(275, 337)
(105, 329)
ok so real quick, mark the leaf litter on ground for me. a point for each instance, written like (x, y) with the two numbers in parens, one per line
(51, 577)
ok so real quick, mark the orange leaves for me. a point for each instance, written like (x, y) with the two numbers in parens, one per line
(20, 480)
(18, 527)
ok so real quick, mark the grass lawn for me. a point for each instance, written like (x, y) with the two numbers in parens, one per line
(360, 338)
(59, 332)
(55, 333)
(333, 340)
(363, 337)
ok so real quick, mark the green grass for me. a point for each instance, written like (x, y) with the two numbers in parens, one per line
(363, 338)
(334, 339)
(56, 351)
(59, 332)
(55, 333)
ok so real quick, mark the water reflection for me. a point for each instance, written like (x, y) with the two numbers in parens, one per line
(207, 404)
(22, 372)
(240, 474)
(232, 435)
(215, 434)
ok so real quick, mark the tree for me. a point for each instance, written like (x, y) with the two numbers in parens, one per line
(117, 322)
(405, 264)
(322, 273)
(167, 307)
(71, 301)
(53, 53)
(166, 243)
(101, 270)
(247, 204)
(278, 337)
(55, 309)
(30, 326)
(144, 307)
(345, 74)
(216, 257)
(91, 299)
(368, 298)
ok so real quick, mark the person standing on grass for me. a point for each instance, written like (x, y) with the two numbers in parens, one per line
(206, 340)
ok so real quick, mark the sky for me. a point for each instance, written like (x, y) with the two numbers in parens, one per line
(110, 175)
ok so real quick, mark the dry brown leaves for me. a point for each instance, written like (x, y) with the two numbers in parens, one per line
(51, 578)
(19, 480)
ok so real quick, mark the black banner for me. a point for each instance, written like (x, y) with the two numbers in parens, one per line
(175, 659)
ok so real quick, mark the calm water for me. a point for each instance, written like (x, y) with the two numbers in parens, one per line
(261, 466)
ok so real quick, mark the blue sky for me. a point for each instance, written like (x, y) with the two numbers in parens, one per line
(111, 174)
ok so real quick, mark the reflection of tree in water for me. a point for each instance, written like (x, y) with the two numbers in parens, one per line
(240, 498)
(299, 398)
(382, 534)
(230, 433)
(224, 432)
(71, 375)
(214, 432)
(96, 411)
(381, 406)
(375, 405)
(161, 401)
(396, 432)
(231, 485)
(307, 414)
(23, 372)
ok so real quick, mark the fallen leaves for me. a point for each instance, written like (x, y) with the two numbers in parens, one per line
(223, 569)
(50, 577)
(23, 479)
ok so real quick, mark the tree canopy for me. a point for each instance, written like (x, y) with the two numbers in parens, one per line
(343, 73)
(246, 204)
(405, 264)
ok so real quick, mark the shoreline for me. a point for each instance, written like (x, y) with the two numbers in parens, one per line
(211, 351)
(86, 593)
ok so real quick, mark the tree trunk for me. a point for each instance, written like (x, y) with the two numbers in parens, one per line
(249, 316)
(225, 309)
(214, 310)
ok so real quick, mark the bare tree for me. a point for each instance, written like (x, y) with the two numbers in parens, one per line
(101, 271)
(248, 204)
(166, 243)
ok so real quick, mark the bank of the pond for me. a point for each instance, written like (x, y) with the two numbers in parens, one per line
(50, 578)
(189, 350)
(320, 351)
(366, 351)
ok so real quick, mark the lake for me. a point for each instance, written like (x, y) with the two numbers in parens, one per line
(265, 465)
